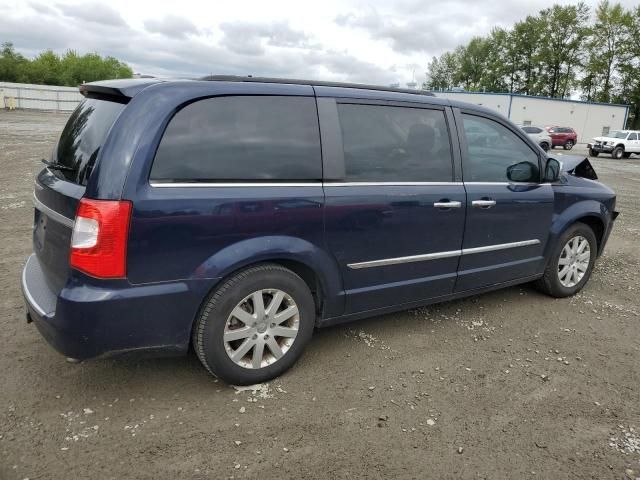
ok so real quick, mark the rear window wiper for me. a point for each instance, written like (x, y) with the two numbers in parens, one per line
(58, 166)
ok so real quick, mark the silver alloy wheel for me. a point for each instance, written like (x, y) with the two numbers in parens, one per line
(256, 336)
(574, 261)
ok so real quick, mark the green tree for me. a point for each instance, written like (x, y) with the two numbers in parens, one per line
(473, 62)
(49, 68)
(441, 72)
(45, 69)
(12, 64)
(565, 28)
(496, 68)
(629, 67)
(605, 46)
(524, 52)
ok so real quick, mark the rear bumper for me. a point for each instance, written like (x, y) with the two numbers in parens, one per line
(85, 321)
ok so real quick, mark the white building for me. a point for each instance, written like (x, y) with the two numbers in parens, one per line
(588, 119)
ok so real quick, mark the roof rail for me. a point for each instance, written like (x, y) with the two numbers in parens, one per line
(313, 83)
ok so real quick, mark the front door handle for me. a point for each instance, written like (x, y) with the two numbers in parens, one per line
(483, 203)
(447, 204)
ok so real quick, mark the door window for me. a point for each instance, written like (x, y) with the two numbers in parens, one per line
(493, 151)
(241, 138)
(395, 144)
(633, 136)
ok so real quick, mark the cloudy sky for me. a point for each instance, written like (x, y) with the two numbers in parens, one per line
(372, 41)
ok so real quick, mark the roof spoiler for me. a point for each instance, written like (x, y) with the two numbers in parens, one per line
(116, 90)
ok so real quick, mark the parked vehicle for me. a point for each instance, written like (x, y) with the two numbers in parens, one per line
(238, 214)
(619, 143)
(565, 137)
(538, 135)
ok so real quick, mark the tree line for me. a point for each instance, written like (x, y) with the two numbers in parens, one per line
(49, 68)
(562, 51)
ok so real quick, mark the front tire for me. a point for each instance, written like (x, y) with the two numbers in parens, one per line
(571, 263)
(255, 325)
(568, 145)
(544, 146)
(593, 153)
(617, 153)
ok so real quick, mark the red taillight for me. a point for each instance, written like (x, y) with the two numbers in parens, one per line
(99, 240)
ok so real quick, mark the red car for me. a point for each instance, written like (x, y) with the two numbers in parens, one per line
(562, 137)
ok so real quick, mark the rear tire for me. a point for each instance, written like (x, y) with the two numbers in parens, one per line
(568, 145)
(544, 146)
(554, 281)
(617, 153)
(592, 153)
(235, 333)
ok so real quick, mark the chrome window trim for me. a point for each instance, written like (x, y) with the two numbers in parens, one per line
(439, 255)
(296, 184)
(25, 289)
(328, 184)
(389, 184)
(229, 184)
(58, 217)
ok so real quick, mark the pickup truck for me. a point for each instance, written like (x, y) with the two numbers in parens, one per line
(619, 143)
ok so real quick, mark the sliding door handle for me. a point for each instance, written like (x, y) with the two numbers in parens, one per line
(447, 204)
(483, 203)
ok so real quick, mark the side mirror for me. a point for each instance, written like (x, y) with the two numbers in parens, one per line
(552, 170)
(523, 172)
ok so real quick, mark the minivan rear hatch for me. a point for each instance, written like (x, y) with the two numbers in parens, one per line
(60, 186)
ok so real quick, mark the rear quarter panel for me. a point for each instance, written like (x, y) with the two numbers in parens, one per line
(206, 233)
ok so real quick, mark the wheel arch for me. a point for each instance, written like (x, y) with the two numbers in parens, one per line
(589, 212)
(315, 266)
(596, 224)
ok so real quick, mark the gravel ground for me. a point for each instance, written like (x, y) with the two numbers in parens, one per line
(510, 384)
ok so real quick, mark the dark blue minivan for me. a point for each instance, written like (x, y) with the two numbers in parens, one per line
(237, 214)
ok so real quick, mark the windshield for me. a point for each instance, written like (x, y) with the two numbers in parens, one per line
(617, 134)
(82, 138)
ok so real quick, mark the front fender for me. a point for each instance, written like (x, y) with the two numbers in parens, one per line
(274, 248)
(564, 218)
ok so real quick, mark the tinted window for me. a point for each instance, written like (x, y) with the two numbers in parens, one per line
(531, 129)
(491, 149)
(633, 136)
(82, 137)
(395, 144)
(241, 138)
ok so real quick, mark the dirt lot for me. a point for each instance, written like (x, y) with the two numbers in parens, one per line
(510, 384)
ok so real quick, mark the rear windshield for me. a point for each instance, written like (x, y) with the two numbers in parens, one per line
(83, 136)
